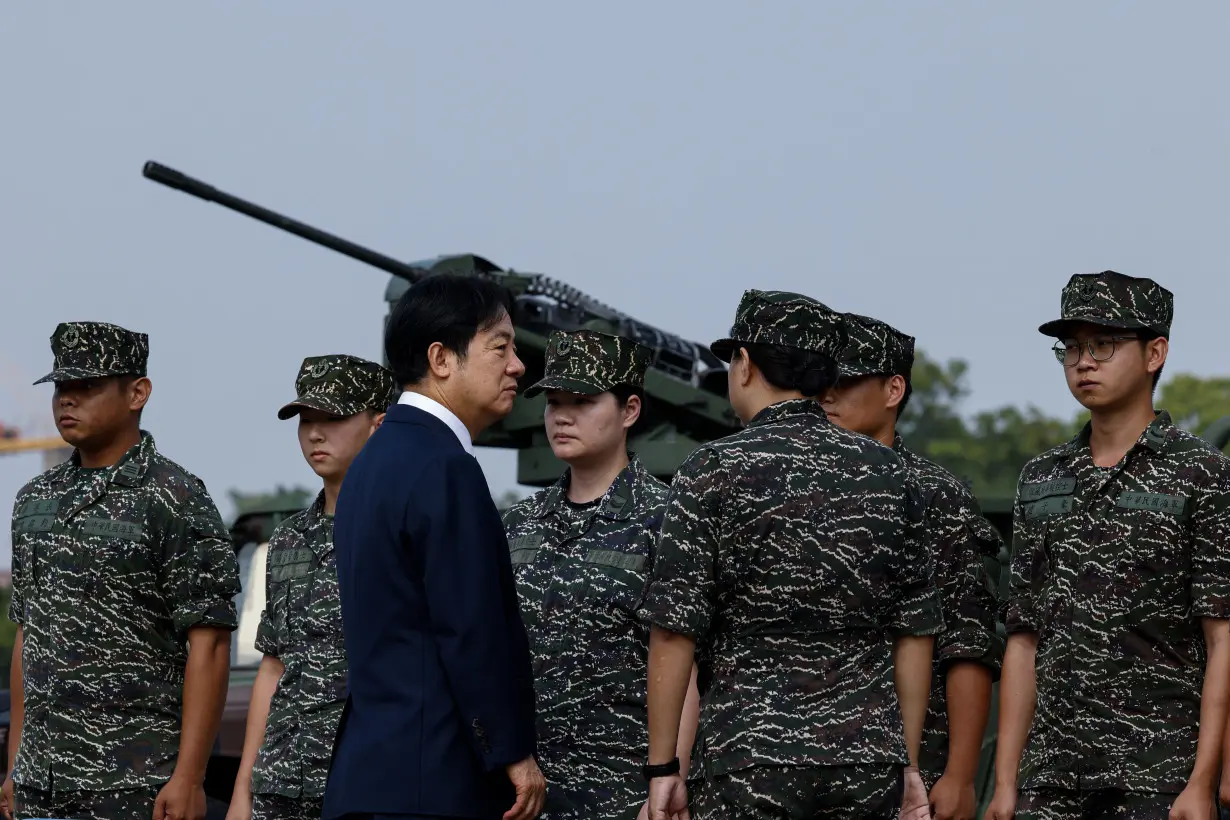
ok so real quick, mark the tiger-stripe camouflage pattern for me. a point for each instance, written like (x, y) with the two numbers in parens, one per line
(1111, 299)
(875, 348)
(277, 807)
(581, 571)
(1102, 804)
(94, 350)
(775, 317)
(341, 385)
(111, 568)
(790, 551)
(301, 626)
(1113, 571)
(589, 362)
(960, 538)
(773, 793)
(71, 804)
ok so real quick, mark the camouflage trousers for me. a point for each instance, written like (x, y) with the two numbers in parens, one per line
(1100, 804)
(277, 807)
(870, 792)
(135, 804)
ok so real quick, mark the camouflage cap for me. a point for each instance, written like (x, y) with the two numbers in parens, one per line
(590, 362)
(875, 348)
(776, 317)
(342, 386)
(96, 350)
(1113, 299)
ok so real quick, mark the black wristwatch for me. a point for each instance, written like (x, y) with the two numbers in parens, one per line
(649, 772)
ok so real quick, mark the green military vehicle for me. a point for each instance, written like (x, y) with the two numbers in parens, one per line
(685, 406)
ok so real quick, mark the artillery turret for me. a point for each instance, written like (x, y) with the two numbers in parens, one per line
(685, 386)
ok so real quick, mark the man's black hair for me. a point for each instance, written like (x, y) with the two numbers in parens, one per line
(444, 308)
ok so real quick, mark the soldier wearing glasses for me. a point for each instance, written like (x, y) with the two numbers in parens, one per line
(1115, 678)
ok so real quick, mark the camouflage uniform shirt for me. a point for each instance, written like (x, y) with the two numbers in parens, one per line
(581, 571)
(1113, 571)
(302, 627)
(790, 552)
(960, 539)
(111, 568)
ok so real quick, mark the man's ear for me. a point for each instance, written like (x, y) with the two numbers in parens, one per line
(138, 393)
(1156, 351)
(440, 360)
(894, 391)
(377, 420)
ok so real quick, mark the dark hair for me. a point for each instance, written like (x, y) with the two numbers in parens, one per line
(789, 368)
(444, 308)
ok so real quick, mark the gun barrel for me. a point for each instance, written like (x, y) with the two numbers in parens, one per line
(182, 182)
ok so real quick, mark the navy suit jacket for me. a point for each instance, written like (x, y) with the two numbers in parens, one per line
(440, 696)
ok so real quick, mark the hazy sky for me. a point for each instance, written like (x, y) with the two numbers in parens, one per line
(943, 166)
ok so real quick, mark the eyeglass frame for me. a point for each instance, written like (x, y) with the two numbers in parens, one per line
(1087, 346)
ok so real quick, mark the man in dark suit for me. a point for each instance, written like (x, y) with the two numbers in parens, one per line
(439, 719)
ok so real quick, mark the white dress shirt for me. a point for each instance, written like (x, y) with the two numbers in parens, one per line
(429, 405)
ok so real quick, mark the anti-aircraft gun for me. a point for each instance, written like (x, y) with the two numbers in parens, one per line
(685, 386)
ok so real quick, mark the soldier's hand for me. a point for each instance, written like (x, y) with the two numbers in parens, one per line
(1193, 803)
(6, 798)
(952, 799)
(668, 799)
(240, 808)
(180, 799)
(1002, 806)
(531, 789)
(914, 805)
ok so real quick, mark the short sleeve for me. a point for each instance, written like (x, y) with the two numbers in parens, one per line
(200, 575)
(961, 538)
(690, 553)
(271, 632)
(1020, 607)
(916, 610)
(17, 603)
(1210, 528)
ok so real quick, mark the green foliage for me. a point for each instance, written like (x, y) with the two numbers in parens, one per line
(1195, 403)
(989, 449)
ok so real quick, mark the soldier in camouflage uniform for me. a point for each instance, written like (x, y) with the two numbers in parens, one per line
(789, 562)
(871, 394)
(1116, 671)
(123, 592)
(581, 552)
(300, 689)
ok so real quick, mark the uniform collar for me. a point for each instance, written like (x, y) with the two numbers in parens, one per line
(786, 409)
(1153, 438)
(130, 470)
(314, 513)
(616, 504)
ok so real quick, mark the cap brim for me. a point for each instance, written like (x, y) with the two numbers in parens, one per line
(724, 349)
(565, 384)
(847, 372)
(69, 374)
(1060, 327)
(321, 403)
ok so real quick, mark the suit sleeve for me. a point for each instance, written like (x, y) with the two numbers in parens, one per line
(472, 606)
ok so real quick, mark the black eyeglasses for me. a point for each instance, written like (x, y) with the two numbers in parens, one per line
(1068, 351)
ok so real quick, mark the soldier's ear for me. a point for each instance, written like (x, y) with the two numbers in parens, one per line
(1156, 351)
(377, 420)
(139, 390)
(894, 391)
(632, 411)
